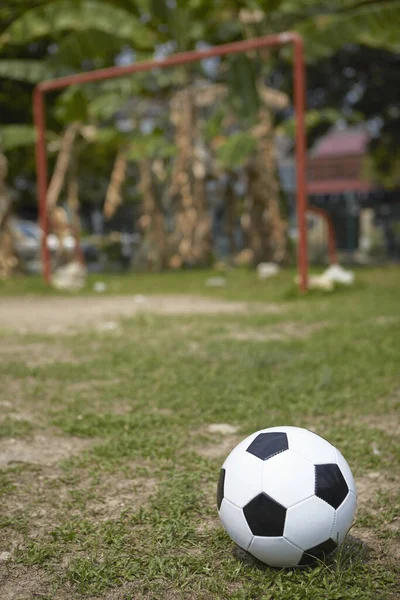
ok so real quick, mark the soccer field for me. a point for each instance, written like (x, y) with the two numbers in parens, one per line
(118, 410)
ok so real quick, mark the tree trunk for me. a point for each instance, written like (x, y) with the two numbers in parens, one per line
(8, 259)
(118, 175)
(57, 215)
(193, 224)
(266, 232)
(73, 204)
(62, 164)
(152, 220)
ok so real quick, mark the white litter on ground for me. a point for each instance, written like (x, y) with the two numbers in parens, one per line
(107, 326)
(99, 286)
(266, 270)
(338, 274)
(69, 277)
(327, 280)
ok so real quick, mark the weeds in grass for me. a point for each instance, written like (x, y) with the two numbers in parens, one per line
(144, 401)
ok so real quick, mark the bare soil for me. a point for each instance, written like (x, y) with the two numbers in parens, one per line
(116, 495)
(60, 315)
(37, 354)
(39, 450)
(20, 583)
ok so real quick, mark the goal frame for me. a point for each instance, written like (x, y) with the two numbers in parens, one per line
(270, 41)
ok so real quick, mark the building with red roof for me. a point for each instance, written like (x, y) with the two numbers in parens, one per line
(364, 214)
(335, 163)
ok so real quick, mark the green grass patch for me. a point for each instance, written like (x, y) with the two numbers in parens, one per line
(133, 515)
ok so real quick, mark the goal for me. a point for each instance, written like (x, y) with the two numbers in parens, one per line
(270, 41)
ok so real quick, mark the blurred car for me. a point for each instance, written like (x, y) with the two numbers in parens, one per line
(27, 235)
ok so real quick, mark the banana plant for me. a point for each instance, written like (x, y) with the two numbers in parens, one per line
(95, 31)
(72, 20)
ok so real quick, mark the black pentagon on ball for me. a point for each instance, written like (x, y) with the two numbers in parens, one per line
(264, 516)
(220, 488)
(319, 552)
(330, 484)
(266, 445)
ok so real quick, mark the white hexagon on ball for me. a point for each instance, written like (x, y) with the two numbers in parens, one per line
(288, 478)
(244, 481)
(235, 524)
(344, 518)
(311, 446)
(309, 523)
(277, 552)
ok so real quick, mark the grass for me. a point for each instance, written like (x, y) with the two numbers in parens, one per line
(127, 508)
(240, 284)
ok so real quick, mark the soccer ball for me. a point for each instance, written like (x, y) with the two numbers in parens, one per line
(286, 496)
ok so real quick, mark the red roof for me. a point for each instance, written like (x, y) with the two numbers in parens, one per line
(348, 141)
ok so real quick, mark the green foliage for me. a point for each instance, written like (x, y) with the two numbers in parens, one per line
(236, 150)
(72, 105)
(56, 18)
(19, 136)
(213, 126)
(104, 106)
(383, 166)
(31, 71)
(151, 146)
(315, 118)
(88, 46)
(160, 10)
(372, 24)
(243, 94)
(87, 34)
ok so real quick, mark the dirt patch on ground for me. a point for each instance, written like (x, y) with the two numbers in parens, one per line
(370, 485)
(43, 498)
(60, 315)
(115, 496)
(220, 448)
(389, 548)
(223, 428)
(277, 333)
(388, 423)
(39, 450)
(385, 320)
(36, 354)
(217, 440)
(368, 489)
(20, 583)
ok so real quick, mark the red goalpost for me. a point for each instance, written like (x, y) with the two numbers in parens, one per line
(282, 39)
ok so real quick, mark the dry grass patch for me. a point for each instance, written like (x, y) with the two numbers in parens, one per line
(40, 449)
(36, 354)
(116, 494)
(65, 315)
(20, 583)
(385, 516)
(388, 423)
(218, 440)
(277, 333)
(220, 448)
(370, 485)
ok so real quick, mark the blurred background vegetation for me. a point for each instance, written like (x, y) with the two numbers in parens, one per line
(187, 166)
